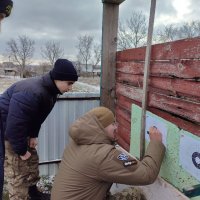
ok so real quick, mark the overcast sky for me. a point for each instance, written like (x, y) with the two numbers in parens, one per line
(65, 20)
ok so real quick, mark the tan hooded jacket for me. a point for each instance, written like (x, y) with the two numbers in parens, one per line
(91, 164)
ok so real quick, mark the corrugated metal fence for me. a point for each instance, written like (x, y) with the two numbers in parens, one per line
(53, 135)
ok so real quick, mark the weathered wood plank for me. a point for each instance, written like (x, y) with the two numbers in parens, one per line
(123, 112)
(129, 91)
(180, 49)
(183, 124)
(186, 109)
(124, 133)
(121, 116)
(126, 103)
(122, 143)
(174, 87)
(179, 68)
(122, 121)
(109, 47)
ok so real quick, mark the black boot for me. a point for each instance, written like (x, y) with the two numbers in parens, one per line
(35, 194)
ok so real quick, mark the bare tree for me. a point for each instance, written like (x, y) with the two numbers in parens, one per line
(168, 33)
(197, 28)
(188, 30)
(21, 51)
(133, 32)
(173, 32)
(96, 54)
(52, 51)
(84, 49)
(43, 68)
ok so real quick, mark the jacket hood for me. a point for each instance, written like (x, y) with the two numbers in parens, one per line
(88, 130)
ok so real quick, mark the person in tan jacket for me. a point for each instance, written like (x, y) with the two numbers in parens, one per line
(91, 163)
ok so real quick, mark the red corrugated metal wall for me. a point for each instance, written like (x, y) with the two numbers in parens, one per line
(174, 85)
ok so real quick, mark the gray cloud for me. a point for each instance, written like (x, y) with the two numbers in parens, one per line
(194, 10)
(61, 20)
(64, 20)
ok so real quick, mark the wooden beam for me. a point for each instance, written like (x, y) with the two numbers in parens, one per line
(109, 48)
(113, 1)
(146, 77)
(188, 69)
(176, 50)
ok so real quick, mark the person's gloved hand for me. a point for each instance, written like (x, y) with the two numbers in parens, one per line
(5, 8)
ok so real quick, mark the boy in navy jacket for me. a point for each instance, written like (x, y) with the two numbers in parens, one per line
(23, 108)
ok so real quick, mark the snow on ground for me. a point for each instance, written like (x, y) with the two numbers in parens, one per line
(85, 87)
(84, 84)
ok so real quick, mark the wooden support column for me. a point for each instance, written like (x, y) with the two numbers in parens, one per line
(146, 77)
(109, 48)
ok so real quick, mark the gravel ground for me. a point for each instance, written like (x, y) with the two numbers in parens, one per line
(84, 84)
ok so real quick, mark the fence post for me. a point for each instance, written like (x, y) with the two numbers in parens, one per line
(146, 77)
(109, 48)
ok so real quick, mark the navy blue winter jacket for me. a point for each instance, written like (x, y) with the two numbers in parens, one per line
(24, 106)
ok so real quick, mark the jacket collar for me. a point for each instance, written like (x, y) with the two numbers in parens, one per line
(50, 84)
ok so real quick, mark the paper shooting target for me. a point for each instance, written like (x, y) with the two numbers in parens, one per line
(196, 159)
(189, 154)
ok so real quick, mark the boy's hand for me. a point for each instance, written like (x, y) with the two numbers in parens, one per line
(155, 134)
(33, 142)
(2, 16)
(26, 156)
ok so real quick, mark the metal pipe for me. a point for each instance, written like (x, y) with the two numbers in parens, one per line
(50, 162)
(146, 77)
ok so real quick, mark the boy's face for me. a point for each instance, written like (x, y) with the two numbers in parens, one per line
(64, 86)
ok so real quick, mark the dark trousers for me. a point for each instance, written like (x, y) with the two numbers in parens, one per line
(2, 156)
(1, 177)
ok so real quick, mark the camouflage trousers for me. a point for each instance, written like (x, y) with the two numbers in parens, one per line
(128, 194)
(20, 174)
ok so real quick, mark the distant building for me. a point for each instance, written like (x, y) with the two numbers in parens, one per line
(90, 71)
(8, 65)
(8, 68)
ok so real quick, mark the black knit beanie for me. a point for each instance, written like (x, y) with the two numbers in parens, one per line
(64, 70)
(6, 7)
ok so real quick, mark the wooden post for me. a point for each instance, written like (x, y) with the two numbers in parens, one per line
(146, 77)
(109, 48)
